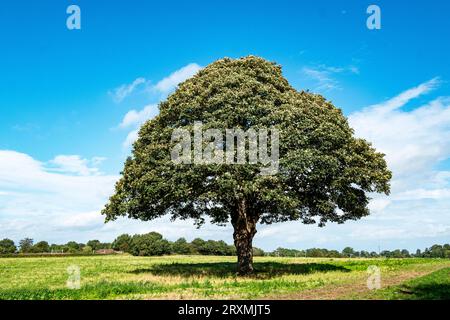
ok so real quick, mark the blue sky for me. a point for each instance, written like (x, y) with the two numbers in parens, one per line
(71, 99)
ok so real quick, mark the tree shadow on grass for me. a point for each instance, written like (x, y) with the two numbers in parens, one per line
(226, 269)
(433, 291)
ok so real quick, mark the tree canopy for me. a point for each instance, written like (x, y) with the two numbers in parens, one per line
(7, 246)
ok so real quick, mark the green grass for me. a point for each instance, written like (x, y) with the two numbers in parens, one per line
(190, 277)
(434, 286)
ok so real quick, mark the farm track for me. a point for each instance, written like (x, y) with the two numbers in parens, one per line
(356, 288)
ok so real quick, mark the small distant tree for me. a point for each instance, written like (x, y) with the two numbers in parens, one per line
(386, 254)
(87, 249)
(257, 252)
(395, 254)
(181, 246)
(364, 254)
(150, 244)
(56, 248)
(436, 251)
(199, 245)
(405, 253)
(73, 246)
(446, 251)
(313, 252)
(222, 248)
(94, 244)
(284, 252)
(105, 245)
(334, 254)
(26, 245)
(348, 252)
(232, 250)
(122, 243)
(41, 247)
(447, 254)
(7, 246)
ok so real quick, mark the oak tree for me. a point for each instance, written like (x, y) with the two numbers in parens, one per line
(325, 173)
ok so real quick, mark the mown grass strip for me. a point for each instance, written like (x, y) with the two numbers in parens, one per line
(99, 291)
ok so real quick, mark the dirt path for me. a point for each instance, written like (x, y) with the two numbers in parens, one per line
(356, 288)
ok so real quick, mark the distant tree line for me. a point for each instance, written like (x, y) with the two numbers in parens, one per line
(153, 244)
(27, 246)
(435, 251)
(150, 244)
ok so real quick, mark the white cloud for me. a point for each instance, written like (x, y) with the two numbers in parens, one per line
(294, 235)
(130, 139)
(171, 82)
(421, 193)
(45, 203)
(403, 98)
(414, 141)
(122, 92)
(324, 76)
(83, 220)
(354, 69)
(407, 231)
(164, 86)
(19, 172)
(137, 118)
(76, 165)
(378, 204)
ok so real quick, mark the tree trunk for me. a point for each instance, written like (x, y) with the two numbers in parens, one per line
(244, 231)
(243, 242)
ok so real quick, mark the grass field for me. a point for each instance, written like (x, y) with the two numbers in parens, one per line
(206, 277)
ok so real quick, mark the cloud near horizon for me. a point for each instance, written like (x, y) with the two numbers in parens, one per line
(44, 199)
